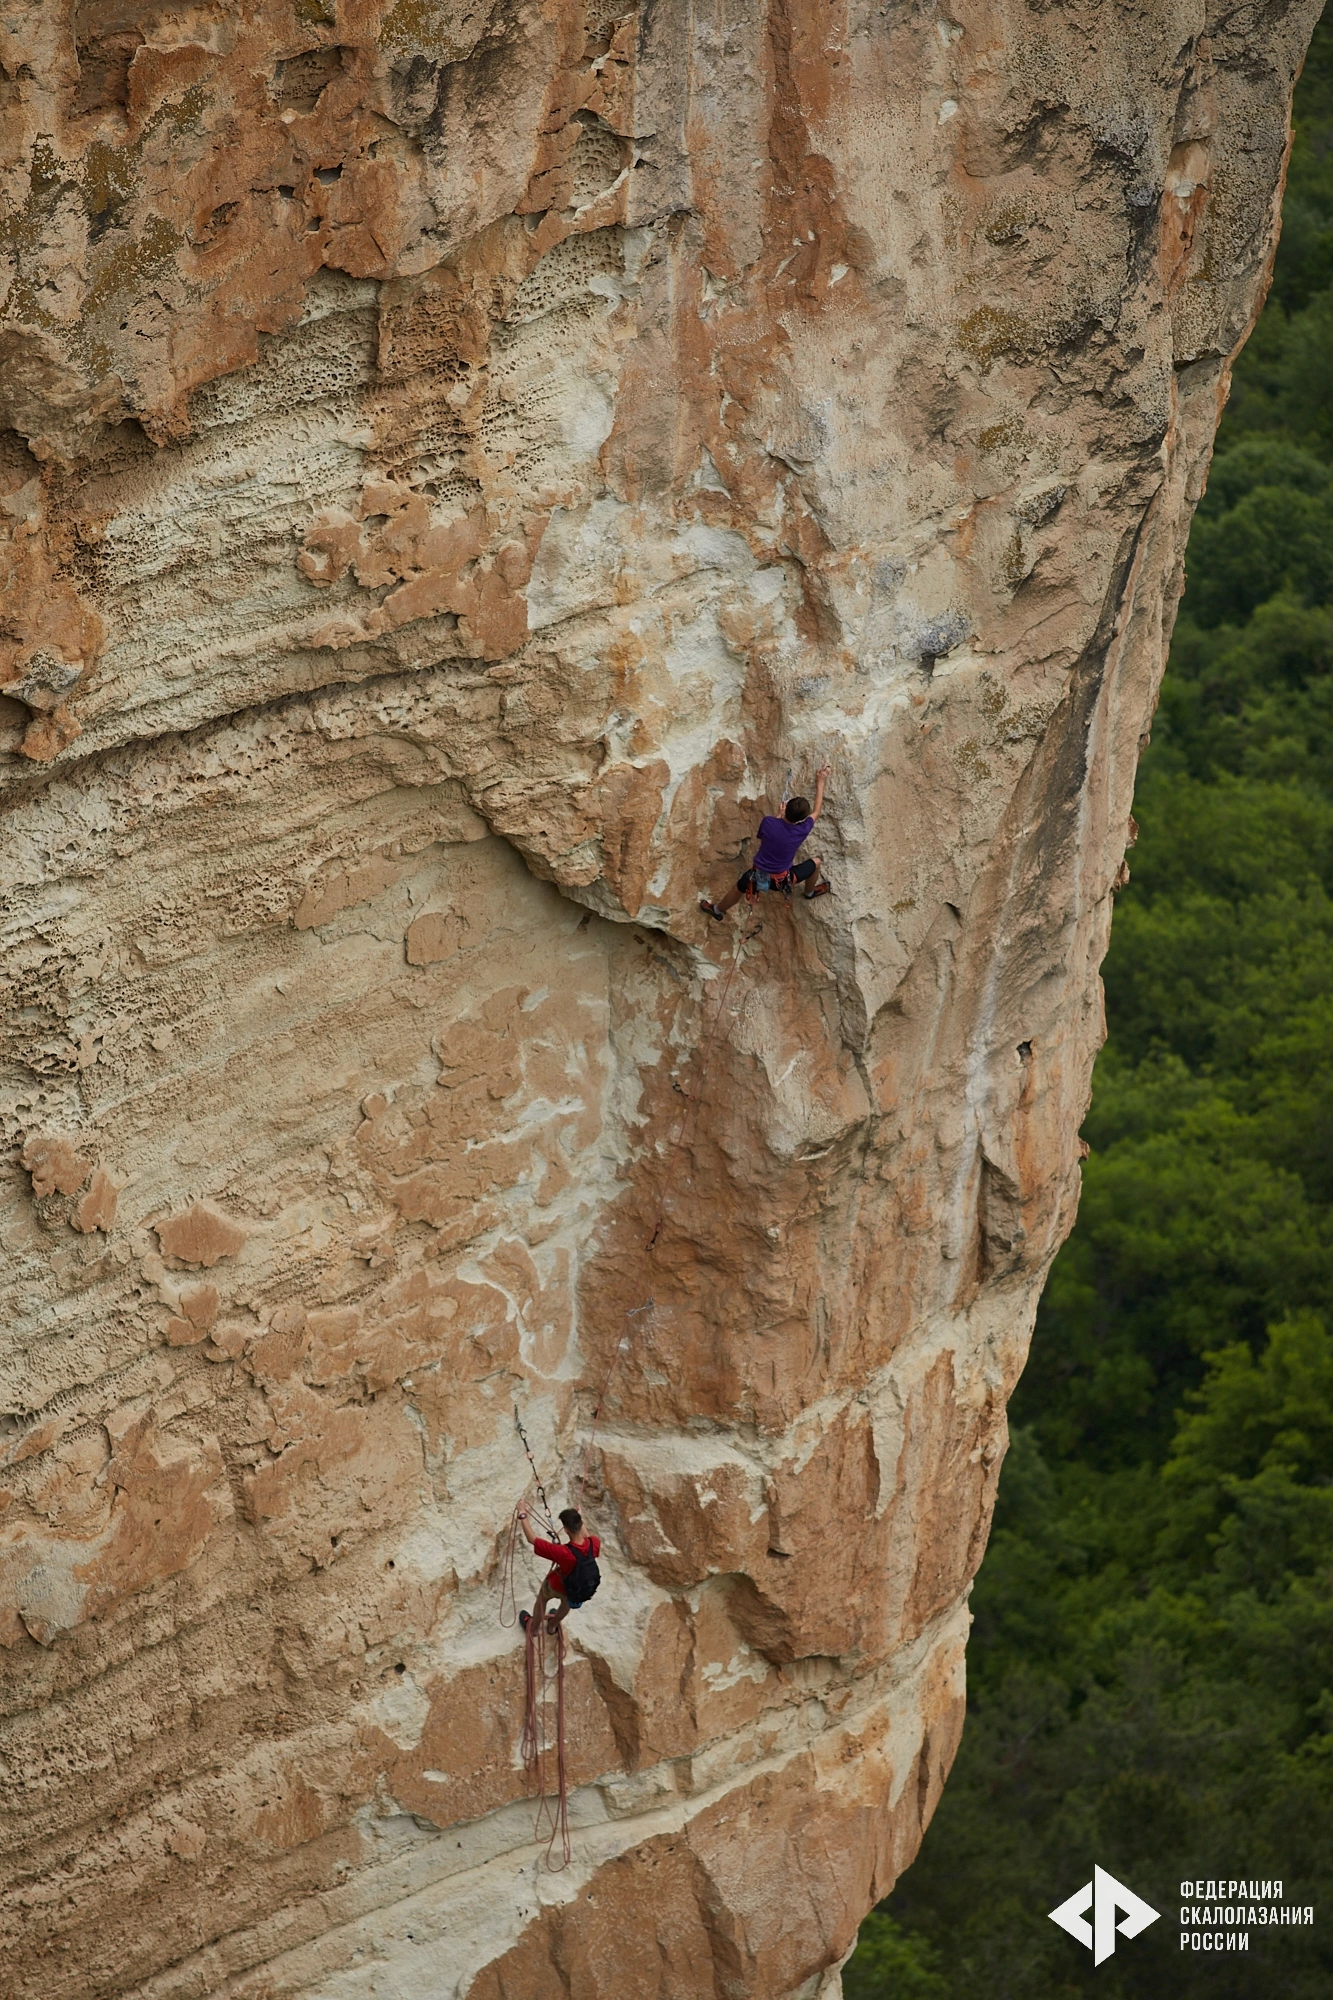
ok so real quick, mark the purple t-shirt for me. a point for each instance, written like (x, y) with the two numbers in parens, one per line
(778, 843)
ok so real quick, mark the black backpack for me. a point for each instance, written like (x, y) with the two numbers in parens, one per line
(583, 1579)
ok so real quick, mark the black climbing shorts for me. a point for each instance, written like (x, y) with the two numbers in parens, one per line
(756, 880)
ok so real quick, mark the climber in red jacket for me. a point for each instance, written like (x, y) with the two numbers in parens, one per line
(775, 865)
(573, 1576)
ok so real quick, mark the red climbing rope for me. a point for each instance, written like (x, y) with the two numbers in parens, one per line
(508, 1594)
(552, 1818)
(692, 1102)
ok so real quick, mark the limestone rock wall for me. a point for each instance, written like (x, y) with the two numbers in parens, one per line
(461, 456)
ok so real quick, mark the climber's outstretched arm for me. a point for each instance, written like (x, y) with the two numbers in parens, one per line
(820, 776)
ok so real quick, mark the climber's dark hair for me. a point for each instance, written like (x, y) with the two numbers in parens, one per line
(797, 809)
(571, 1519)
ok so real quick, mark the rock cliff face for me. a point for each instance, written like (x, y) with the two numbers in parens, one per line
(461, 457)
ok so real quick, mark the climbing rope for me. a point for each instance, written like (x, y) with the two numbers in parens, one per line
(690, 1108)
(546, 1510)
(552, 1818)
(508, 1558)
(552, 1814)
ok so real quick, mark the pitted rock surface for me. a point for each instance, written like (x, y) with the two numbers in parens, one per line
(461, 463)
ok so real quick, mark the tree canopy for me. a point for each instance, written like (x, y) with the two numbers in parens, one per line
(1151, 1667)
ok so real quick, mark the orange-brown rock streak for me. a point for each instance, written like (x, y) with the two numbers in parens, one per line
(456, 461)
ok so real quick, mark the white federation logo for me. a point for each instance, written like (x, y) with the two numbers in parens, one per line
(1106, 1898)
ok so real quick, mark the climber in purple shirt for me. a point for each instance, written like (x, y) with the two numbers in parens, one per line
(775, 865)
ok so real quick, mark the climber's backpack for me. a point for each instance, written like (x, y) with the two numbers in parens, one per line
(582, 1581)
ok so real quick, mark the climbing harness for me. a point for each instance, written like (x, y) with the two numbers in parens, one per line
(783, 883)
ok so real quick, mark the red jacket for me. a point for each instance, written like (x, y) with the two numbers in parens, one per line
(563, 1555)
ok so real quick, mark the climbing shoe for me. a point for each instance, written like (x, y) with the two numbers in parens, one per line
(711, 910)
(525, 1619)
(820, 889)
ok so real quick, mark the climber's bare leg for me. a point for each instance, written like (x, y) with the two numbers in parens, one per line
(533, 1620)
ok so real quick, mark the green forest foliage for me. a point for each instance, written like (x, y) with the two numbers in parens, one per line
(1151, 1668)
